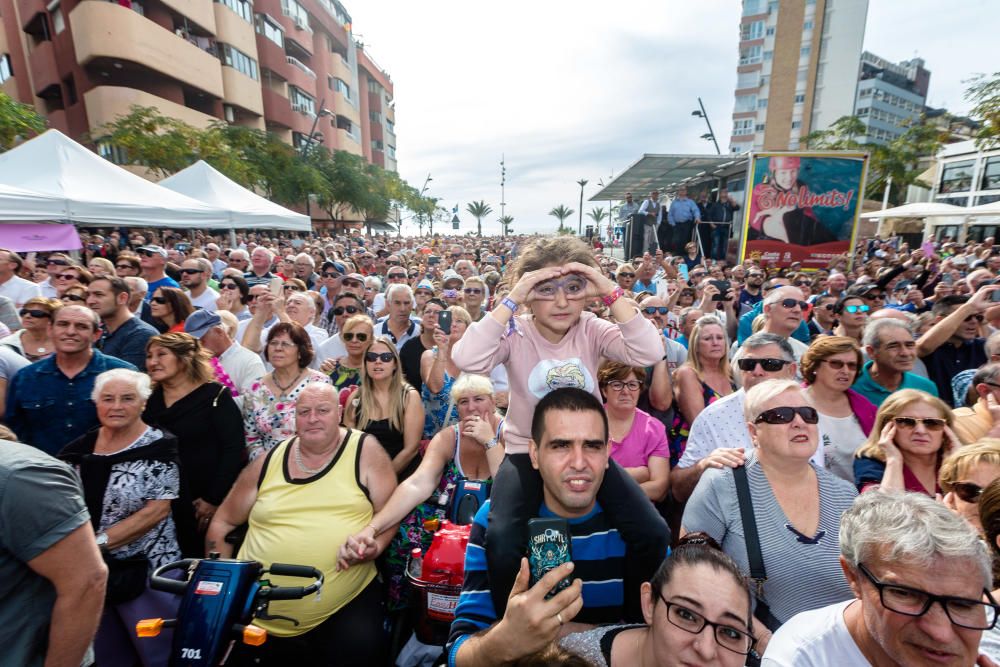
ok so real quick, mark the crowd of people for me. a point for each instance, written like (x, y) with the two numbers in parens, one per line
(755, 465)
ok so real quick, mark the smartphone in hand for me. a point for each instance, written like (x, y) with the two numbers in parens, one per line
(549, 546)
(444, 322)
(276, 286)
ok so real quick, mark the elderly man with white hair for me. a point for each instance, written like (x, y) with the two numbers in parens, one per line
(784, 310)
(920, 576)
(298, 307)
(400, 325)
(304, 267)
(259, 271)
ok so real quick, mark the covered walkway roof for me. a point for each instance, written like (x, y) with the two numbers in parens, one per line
(666, 172)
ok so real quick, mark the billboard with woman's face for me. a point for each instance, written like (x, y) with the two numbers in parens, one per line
(803, 207)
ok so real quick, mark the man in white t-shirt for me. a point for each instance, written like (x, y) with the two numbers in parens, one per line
(936, 613)
(194, 277)
(12, 286)
(719, 435)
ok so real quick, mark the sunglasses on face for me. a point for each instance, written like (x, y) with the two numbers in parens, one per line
(880, 297)
(785, 415)
(967, 491)
(857, 309)
(424, 293)
(626, 274)
(384, 357)
(291, 288)
(977, 317)
(931, 424)
(150, 253)
(392, 262)
(350, 310)
(803, 283)
(123, 266)
(74, 297)
(158, 299)
(351, 336)
(352, 283)
(229, 286)
(473, 290)
(769, 365)
(57, 262)
(191, 271)
(38, 314)
(397, 276)
(792, 303)
(573, 287)
(837, 364)
(331, 275)
(653, 310)
(67, 276)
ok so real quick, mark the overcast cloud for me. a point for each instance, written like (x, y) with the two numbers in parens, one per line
(571, 90)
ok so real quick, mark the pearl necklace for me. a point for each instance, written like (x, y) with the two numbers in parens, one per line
(297, 451)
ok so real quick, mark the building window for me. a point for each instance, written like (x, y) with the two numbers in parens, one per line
(269, 28)
(6, 71)
(751, 7)
(807, 25)
(301, 102)
(991, 174)
(956, 177)
(297, 13)
(58, 21)
(759, 127)
(745, 103)
(340, 86)
(390, 151)
(772, 7)
(375, 117)
(747, 80)
(805, 51)
(111, 153)
(750, 55)
(796, 124)
(390, 126)
(242, 8)
(768, 55)
(863, 111)
(762, 103)
(799, 99)
(377, 145)
(770, 32)
(752, 30)
(742, 127)
(239, 61)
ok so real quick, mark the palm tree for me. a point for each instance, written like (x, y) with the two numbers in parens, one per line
(479, 210)
(582, 182)
(598, 215)
(505, 223)
(561, 212)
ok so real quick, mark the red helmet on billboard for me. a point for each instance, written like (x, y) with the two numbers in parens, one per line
(784, 162)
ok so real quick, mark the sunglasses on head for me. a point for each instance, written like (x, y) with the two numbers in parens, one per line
(857, 309)
(837, 364)
(769, 365)
(384, 357)
(967, 491)
(653, 310)
(785, 415)
(931, 423)
(190, 271)
(350, 310)
(350, 336)
(38, 314)
(57, 262)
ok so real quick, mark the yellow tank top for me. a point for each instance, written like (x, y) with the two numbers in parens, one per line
(305, 522)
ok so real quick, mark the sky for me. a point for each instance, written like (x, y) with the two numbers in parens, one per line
(580, 90)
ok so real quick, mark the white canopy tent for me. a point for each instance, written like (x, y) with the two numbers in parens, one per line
(992, 208)
(918, 210)
(92, 191)
(248, 209)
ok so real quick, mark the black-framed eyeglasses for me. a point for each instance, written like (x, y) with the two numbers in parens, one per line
(769, 365)
(618, 385)
(786, 414)
(726, 636)
(963, 612)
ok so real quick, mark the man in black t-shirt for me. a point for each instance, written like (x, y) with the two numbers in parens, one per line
(954, 343)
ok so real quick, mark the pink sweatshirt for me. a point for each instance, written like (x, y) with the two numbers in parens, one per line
(535, 366)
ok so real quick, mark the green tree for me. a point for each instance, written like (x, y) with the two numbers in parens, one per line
(479, 210)
(561, 213)
(897, 161)
(984, 93)
(505, 224)
(17, 122)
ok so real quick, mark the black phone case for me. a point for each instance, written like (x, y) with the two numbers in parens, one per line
(549, 546)
(444, 321)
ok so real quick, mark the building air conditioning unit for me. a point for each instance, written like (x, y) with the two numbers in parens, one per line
(301, 23)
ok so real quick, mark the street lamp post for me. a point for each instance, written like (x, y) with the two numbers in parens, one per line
(307, 144)
(422, 191)
(503, 202)
(579, 227)
(710, 134)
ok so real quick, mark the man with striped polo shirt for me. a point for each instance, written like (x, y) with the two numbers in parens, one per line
(569, 448)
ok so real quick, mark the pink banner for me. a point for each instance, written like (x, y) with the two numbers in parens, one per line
(39, 237)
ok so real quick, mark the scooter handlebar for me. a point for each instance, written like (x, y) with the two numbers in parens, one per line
(294, 592)
(160, 583)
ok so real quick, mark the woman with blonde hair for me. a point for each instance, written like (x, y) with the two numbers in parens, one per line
(387, 407)
(704, 378)
(438, 372)
(911, 437)
(965, 474)
(625, 276)
(33, 341)
(187, 402)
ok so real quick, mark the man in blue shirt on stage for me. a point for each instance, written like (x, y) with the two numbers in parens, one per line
(682, 217)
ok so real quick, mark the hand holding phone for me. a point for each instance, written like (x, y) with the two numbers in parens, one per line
(444, 322)
(549, 546)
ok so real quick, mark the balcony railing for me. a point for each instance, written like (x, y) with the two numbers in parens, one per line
(292, 60)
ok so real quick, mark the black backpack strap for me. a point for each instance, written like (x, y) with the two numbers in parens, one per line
(754, 557)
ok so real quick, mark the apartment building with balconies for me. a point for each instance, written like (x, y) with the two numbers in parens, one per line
(290, 66)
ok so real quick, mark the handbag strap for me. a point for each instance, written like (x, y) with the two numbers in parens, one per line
(756, 560)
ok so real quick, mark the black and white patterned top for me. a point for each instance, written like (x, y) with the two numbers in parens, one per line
(131, 485)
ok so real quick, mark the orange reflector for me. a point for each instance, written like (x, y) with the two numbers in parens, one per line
(254, 636)
(149, 627)
(432, 525)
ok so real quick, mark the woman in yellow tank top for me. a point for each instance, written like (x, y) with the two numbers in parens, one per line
(302, 501)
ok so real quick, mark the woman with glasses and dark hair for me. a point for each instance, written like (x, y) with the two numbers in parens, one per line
(269, 408)
(965, 474)
(234, 295)
(830, 366)
(796, 506)
(68, 276)
(127, 265)
(169, 308)
(638, 440)
(697, 610)
(387, 407)
(911, 437)
(704, 378)
(33, 340)
(852, 315)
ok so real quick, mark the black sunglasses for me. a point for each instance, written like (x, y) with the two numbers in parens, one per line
(158, 299)
(785, 415)
(350, 310)
(384, 357)
(57, 262)
(769, 365)
(931, 424)
(124, 266)
(349, 336)
(74, 297)
(34, 313)
(190, 271)
(653, 310)
(473, 290)
(292, 288)
(967, 491)
(625, 274)
(229, 286)
(791, 303)
(330, 275)
(396, 276)
(147, 253)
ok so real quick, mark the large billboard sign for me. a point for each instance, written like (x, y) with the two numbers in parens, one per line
(803, 207)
